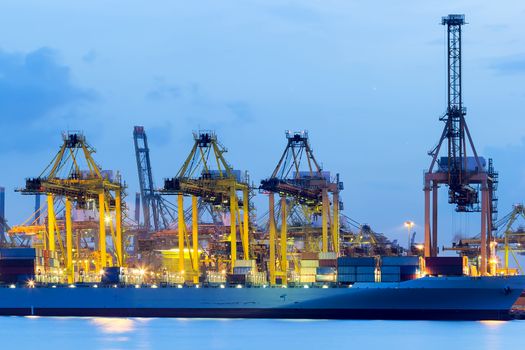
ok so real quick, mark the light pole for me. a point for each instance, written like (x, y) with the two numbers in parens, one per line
(409, 224)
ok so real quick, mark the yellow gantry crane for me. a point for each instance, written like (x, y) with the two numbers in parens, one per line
(306, 186)
(64, 177)
(207, 176)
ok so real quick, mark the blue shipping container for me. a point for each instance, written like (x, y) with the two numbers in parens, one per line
(349, 261)
(391, 269)
(399, 260)
(13, 253)
(365, 269)
(346, 269)
(365, 278)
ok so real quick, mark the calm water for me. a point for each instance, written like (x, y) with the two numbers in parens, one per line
(134, 333)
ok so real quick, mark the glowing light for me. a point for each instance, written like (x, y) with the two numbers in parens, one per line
(142, 272)
(95, 286)
(101, 272)
(72, 286)
(179, 285)
(114, 325)
(222, 286)
(325, 286)
(306, 286)
(137, 286)
(107, 219)
(238, 286)
(154, 286)
(31, 284)
(53, 286)
(12, 286)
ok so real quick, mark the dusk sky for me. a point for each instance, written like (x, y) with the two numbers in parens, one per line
(367, 79)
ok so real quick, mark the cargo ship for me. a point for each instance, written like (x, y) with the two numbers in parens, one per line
(388, 287)
(428, 298)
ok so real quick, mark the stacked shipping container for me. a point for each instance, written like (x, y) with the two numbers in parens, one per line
(17, 265)
(351, 270)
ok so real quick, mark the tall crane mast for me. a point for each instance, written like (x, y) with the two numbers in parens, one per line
(157, 213)
(464, 175)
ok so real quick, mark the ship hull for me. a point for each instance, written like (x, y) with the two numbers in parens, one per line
(452, 298)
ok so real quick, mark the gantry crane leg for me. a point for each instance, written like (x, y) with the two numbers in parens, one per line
(246, 228)
(70, 273)
(118, 219)
(335, 222)
(434, 219)
(181, 231)
(51, 219)
(428, 243)
(484, 199)
(271, 213)
(325, 212)
(102, 230)
(195, 238)
(233, 227)
(283, 242)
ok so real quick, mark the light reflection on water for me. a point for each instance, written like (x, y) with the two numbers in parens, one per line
(141, 333)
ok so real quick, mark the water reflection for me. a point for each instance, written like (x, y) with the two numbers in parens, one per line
(114, 325)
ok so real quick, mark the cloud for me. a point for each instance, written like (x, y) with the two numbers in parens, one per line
(296, 13)
(163, 90)
(198, 105)
(34, 88)
(90, 56)
(510, 65)
(241, 110)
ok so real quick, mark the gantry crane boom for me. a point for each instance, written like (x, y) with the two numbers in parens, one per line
(157, 212)
(64, 177)
(298, 176)
(206, 176)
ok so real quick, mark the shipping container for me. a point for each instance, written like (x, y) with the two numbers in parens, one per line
(346, 278)
(242, 270)
(325, 278)
(328, 263)
(390, 269)
(307, 279)
(309, 263)
(15, 253)
(308, 270)
(444, 261)
(17, 263)
(325, 270)
(236, 279)
(365, 277)
(327, 256)
(445, 270)
(245, 263)
(399, 260)
(309, 256)
(344, 270)
(365, 270)
(349, 261)
(409, 270)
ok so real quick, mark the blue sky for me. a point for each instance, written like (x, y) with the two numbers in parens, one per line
(366, 79)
